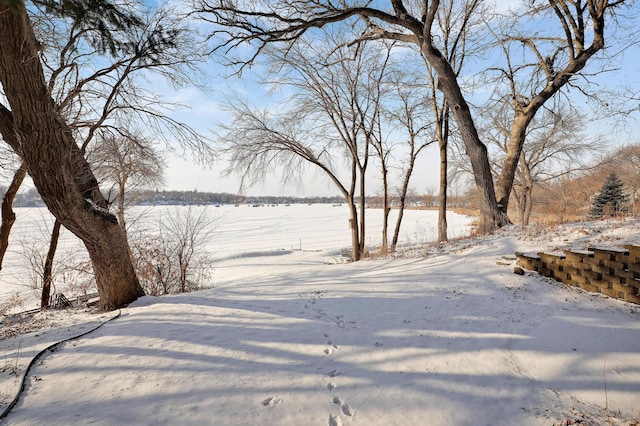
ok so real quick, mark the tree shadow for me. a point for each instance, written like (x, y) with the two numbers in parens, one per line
(401, 342)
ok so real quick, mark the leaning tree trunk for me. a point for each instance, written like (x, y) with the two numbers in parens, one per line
(8, 215)
(513, 155)
(403, 201)
(59, 171)
(47, 275)
(491, 217)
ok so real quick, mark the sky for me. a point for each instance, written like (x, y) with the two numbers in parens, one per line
(187, 175)
(204, 111)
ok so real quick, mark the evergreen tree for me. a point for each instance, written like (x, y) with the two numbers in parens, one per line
(612, 198)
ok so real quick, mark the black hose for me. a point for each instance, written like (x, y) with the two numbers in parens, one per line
(35, 358)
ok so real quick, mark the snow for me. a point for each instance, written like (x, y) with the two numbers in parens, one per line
(439, 335)
(234, 232)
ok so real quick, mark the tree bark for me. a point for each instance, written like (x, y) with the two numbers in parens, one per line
(401, 207)
(384, 249)
(353, 225)
(512, 158)
(8, 215)
(59, 171)
(363, 205)
(47, 275)
(442, 195)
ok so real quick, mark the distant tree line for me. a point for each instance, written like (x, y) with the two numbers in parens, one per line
(28, 198)
(31, 198)
(212, 198)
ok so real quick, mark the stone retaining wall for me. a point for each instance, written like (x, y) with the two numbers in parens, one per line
(611, 271)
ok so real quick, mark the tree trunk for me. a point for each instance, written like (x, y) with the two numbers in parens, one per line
(491, 216)
(401, 207)
(526, 196)
(120, 211)
(528, 206)
(403, 201)
(353, 225)
(47, 275)
(442, 196)
(363, 206)
(504, 184)
(385, 212)
(8, 215)
(385, 231)
(59, 171)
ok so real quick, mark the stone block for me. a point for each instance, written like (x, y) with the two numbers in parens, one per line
(633, 298)
(615, 264)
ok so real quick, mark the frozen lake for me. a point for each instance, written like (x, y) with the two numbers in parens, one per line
(237, 232)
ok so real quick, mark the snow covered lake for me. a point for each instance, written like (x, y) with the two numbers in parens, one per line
(235, 232)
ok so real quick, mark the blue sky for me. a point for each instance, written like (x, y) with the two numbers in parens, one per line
(205, 110)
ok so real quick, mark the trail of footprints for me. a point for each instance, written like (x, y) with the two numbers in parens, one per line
(336, 400)
(322, 315)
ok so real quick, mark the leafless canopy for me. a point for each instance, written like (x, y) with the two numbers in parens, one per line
(250, 26)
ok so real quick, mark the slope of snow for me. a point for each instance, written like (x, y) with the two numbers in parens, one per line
(450, 338)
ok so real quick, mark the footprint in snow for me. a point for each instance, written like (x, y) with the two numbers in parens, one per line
(334, 420)
(346, 408)
(272, 401)
(335, 373)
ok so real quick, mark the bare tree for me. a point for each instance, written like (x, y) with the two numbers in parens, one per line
(125, 163)
(579, 37)
(90, 98)
(333, 115)
(555, 146)
(369, 109)
(541, 63)
(55, 162)
(409, 113)
(114, 94)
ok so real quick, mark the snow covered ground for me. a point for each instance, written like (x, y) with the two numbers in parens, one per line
(442, 335)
